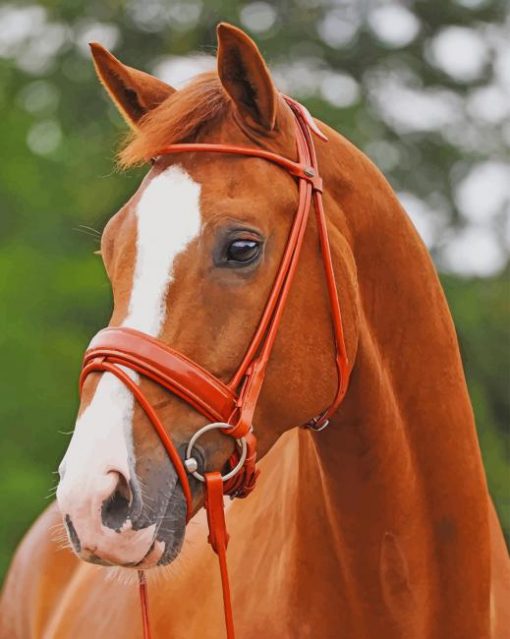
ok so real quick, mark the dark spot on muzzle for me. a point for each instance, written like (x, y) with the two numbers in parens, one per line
(72, 534)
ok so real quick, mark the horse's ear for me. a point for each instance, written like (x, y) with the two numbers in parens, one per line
(245, 77)
(133, 92)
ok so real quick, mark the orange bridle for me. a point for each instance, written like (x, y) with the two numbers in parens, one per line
(230, 407)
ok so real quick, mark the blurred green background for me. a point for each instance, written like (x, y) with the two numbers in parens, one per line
(422, 87)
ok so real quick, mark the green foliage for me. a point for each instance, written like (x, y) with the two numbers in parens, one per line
(480, 310)
(58, 133)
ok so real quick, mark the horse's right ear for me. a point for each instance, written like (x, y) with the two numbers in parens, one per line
(245, 77)
(134, 92)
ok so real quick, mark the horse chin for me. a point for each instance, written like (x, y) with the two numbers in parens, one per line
(163, 550)
(151, 559)
(169, 535)
(170, 532)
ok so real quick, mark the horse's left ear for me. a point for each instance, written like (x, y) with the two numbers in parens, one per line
(245, 77)
(134, 92)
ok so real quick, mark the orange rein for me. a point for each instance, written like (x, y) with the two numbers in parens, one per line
(230, 406)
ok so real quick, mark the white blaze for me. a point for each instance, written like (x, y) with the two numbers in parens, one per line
(168, 219)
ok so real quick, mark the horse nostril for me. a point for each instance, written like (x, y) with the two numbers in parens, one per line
(115, 509)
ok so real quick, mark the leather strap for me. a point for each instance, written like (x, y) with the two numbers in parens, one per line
(297, 169)
(218, 538)
(144, 604)
(168, 368)
(341, 359)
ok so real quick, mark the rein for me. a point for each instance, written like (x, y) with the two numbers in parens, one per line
(231, 406)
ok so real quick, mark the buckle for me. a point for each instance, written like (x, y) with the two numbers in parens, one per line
(318, 429)
(316, 424)
(310, 174)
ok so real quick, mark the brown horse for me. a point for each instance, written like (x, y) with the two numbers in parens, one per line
(379, 527)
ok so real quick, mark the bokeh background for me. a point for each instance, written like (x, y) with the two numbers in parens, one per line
(423, 87)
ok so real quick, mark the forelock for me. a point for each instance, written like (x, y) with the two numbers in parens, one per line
(182, 117)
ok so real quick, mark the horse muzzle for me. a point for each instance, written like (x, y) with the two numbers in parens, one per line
(111, 520)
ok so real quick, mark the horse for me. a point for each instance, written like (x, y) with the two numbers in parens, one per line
(379, 526)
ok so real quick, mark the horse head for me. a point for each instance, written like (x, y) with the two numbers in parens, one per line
(192, 259)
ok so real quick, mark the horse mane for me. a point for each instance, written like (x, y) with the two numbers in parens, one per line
(182, 117)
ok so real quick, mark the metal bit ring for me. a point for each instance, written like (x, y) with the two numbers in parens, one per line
(190, 462)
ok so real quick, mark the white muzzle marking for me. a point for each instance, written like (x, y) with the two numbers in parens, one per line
(168, 219)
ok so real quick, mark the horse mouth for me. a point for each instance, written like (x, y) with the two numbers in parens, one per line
(149, 560)
(154, 537)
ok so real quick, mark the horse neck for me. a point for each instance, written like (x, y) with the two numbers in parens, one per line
(398, 476)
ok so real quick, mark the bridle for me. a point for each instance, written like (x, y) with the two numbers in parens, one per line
(229, 407)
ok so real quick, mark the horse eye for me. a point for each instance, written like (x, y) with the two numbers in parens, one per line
(242, 251)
